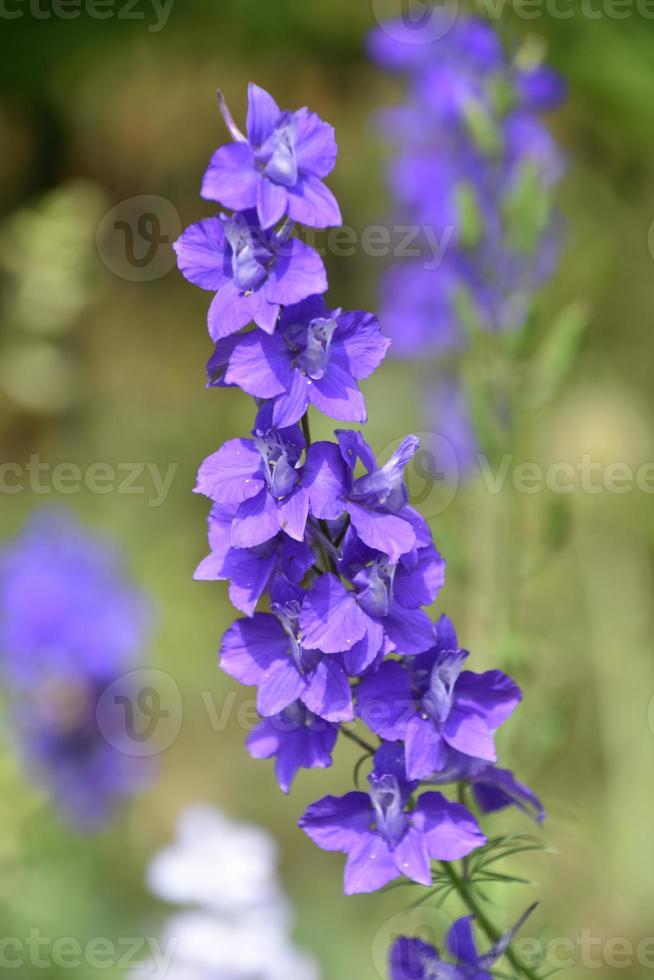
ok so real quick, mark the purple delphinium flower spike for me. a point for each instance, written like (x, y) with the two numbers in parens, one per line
(70, 626)
(253, 272)
(433, 707)
(296, 739)
(278, 167)
(474, 170)
(321, 533)
(385, 840)
(315, 357)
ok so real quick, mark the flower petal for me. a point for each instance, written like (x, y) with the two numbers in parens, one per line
(315, 145)
(311, 203)
(263, 114)
(450, 830)
(201, 254)
(384, 532)
(370, 866)
(298, 273)
(232, 474)
(384, 701)
(272, 202)
(251, 647)
(331, 620)
(260, 365)
(231, 178)
(328, 693)
(338, 823)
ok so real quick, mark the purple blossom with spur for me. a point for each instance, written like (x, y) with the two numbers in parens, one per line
(250, 571)
(278, 168)
(296, 739)
(413, 959)
(433, 707)
(70, 625)
(377, 501)
(315, 357)
(384, 838)
(493, 788)
(270, 652)
(252, 271)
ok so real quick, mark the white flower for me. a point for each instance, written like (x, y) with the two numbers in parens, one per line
(217, 864)
(239, 920)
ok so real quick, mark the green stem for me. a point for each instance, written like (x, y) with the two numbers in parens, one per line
(361, 742)
(466, 895)
(325, 554)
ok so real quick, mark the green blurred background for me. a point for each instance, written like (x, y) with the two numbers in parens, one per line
(95, 367)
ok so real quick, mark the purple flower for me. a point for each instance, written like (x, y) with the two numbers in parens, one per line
(65, 604)
(278, 168)
(297, 739)
(412, 959)
(315, 357)
(493, 788)
(384, 838)
(261, 478)
(389, 594)
(376, 502)
(70, 625)
(250, 571)
(433, 707)
(253, 272)
(269, 652)
(57, 732)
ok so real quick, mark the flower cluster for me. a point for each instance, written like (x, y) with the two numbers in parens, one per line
(475, 167)
(235, 920)
(326, 536)
(70, 625)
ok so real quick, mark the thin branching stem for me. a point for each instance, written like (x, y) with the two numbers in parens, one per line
(465, 893)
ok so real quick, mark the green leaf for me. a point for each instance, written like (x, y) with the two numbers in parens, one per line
(558, 354)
